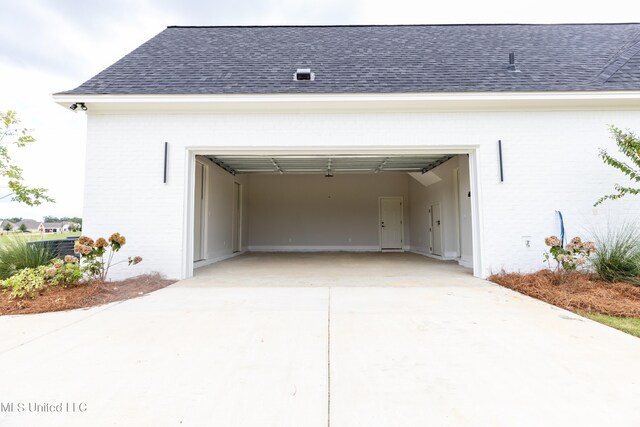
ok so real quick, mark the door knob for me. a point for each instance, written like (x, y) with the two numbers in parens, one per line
(438, 222)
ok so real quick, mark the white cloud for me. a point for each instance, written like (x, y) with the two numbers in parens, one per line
(496, 11)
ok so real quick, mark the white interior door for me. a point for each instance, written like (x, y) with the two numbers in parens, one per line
(237, 217)
(198, 226)
(436, 229)
(391, 223)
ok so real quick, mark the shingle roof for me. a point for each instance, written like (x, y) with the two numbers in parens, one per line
(383, 59)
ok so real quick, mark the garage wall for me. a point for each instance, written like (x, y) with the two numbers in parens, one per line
(311, 212)
(457, 239)
(550, 159)
(219, 208)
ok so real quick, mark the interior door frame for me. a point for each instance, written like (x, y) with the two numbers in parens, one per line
(431, 234)
(236, 244)
(205, 209)
(401, 223)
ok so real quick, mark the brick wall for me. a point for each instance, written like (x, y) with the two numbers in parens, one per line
(550, 163)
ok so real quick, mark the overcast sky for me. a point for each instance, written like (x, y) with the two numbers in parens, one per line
(48, 46)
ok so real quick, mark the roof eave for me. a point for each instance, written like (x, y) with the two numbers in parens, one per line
(619, 99)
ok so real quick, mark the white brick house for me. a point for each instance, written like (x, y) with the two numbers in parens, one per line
(396, 123)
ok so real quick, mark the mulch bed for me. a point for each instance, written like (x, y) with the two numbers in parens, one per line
(575, 291)
(57, 298)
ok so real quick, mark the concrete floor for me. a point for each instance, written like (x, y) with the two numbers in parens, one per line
(342, 269)
(264, 351)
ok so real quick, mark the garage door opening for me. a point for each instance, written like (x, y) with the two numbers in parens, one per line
(330, 203)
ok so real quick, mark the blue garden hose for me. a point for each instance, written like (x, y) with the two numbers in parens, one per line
(561, 229)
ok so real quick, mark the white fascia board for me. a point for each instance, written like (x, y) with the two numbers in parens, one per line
(399, 101)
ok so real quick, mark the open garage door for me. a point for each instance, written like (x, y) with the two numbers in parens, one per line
(346, 202)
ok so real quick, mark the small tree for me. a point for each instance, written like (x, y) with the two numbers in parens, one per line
(628, 145)
(22, 227)
(11, 134)
(7, 227)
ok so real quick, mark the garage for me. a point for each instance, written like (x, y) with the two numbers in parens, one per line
(327, 202)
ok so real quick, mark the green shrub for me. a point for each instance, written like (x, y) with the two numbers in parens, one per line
(26, 283)
(617, 258)
(15, 255)
(65, 273)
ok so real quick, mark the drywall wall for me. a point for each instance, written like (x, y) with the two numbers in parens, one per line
(219, 212)
(311, 212)
(455, 205)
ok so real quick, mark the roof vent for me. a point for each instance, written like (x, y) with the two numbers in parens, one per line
(512, 63)
(303, 74)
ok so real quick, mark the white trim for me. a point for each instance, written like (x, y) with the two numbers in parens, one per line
(465, 264)
(313, 248)
(456, 208)
(350, 97)
(461, 262)
(446, 101)
(474, 178)
(205, 262)
(188, 212)
(477, 231)
(205, 209)
(430, 255)
(237, 217)
(401, 248)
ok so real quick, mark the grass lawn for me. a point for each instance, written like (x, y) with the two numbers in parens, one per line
(630, 325)
(37, 236)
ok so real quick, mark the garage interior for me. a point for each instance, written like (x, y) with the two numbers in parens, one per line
(332, 203)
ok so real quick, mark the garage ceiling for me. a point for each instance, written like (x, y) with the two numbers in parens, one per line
(329, 164)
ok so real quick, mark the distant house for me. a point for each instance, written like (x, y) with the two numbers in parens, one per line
(50, 227)
(56, 227)
(31, 225)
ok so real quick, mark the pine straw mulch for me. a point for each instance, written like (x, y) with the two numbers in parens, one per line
(575, 291)
(57, 298)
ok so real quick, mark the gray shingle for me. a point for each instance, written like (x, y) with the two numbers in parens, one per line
(383, 59)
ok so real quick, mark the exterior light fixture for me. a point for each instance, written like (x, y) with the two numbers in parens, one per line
(75, 106)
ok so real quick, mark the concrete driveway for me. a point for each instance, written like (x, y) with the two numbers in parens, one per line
(440, 352)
